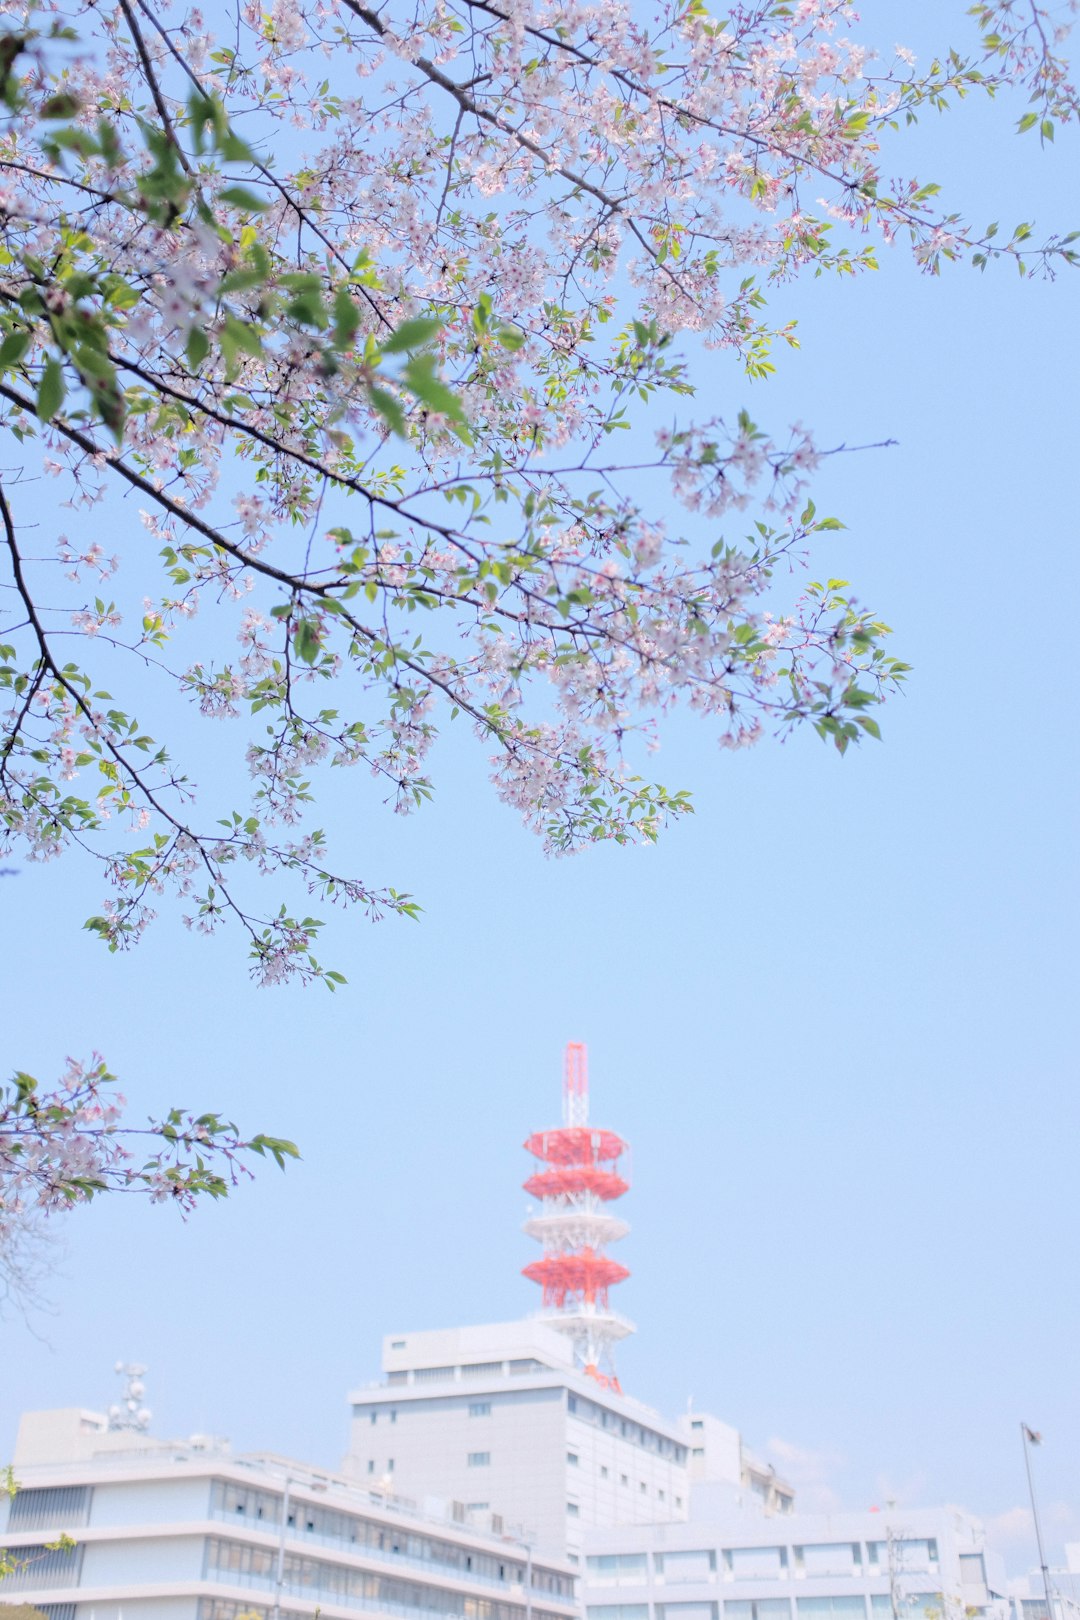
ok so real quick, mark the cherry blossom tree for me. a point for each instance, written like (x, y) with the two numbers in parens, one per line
(354, 306)
(59, 1148)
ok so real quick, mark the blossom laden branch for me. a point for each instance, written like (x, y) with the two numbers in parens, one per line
(368, 397)
(62, 1147)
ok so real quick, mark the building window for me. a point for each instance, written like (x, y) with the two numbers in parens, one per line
(912, 1554)
(479, 1408)
(389, 1465)
(746, 1562)
(374, 1417)
(830, 1558)
(606, 1569)
(603, 1471)
(624, 1479)
(698, 1451)
(393, 1414)
(686, 1566)
(479, 1459)
(45, 1565)
(972, 1569)
(433, 1375)
(371, 1465)
(686, 1611)
(643, 1488)
(697, 1423)
(571, 1403)
(662, 1496)
(482, 1369)
(678, 1501)
(42, 1507)
(758, 1609)
(397, 1344)
(572, 1458)
(831, 1608)
(573, 1509)
(397, 1378)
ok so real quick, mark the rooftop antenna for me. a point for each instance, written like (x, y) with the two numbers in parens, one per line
(578, 1176)
(129, 1412)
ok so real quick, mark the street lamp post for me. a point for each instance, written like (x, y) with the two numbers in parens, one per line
(1030, 1438)
(526, 1547)
(279, 1576)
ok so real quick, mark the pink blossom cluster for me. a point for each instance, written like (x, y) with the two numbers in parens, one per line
(62, 1146)
(58, 1147)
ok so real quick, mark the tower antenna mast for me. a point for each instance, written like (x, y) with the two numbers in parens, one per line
(577, 1178)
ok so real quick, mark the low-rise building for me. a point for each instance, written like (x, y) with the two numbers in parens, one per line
(732, 1564)
(118, 1526)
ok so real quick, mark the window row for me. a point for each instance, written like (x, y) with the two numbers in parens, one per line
(472, 1369)
(625, 1428)
(42, 1566)
(330, 1524)
(50, 1507)
(314, 1577)
(911, 1556)
(909, 1606)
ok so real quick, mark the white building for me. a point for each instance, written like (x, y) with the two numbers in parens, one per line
(1028, 1593)
(501, 1419)
(718, 1457)
(925, 1564)
(483, 1471)
(184, 1531)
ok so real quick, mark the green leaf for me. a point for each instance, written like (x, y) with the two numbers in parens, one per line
(307, 641)
(51, 390)
(243, 336)
(13, 348)
(63, 105)
(412, 334)
(241, 197)
(389, 409)
(198, 347)
(346, 318)
(430, 389)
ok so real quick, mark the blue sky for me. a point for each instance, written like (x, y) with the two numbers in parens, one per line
(834, 1012)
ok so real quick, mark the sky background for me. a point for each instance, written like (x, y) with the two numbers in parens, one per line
(834, 1012)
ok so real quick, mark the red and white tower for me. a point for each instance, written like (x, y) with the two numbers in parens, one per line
(578, 1178)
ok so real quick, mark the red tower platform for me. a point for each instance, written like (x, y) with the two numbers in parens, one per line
(579, 1177)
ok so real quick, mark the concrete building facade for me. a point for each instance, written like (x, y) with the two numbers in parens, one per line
(184, 1531)
(501, 1419)
(927, 1564)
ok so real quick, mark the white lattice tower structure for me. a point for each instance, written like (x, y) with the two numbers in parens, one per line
(578, 1179)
